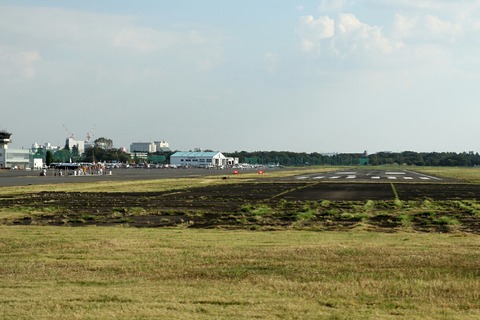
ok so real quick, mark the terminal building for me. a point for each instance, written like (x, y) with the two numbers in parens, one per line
(16, 158)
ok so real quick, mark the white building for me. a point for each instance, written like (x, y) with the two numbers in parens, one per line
(143, 147)
(149, 147)
(80, 144)
(46, 146)
(13, 158)
(199, 159)
(161, 145)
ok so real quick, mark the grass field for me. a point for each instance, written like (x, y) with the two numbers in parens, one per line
(125, 273)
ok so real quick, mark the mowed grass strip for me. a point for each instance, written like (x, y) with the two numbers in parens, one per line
(124, 273)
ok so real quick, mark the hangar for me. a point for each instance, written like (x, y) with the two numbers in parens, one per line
(199, 159)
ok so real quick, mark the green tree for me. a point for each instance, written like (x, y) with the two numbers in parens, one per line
(104, 143)
(67, 146)
(102, 155)
(49, 157)
(75, 154)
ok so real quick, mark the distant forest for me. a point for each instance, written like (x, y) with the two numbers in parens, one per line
(285, 158)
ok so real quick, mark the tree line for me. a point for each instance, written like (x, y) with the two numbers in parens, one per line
(444, 159)
(287, 158)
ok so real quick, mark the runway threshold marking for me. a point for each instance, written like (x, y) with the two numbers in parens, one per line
(424, 175)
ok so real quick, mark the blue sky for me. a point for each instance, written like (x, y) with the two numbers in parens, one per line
(308, 76)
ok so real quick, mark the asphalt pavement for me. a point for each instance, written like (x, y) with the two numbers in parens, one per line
(370, 176)
(33, 177)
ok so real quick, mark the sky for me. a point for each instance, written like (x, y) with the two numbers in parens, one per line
(270, 75)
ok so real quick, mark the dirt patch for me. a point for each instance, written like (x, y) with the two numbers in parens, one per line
(265, 206)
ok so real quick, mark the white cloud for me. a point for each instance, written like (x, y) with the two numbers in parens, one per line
(313, 31)
(442, 33)
(404, 26)
(347, 36)
(363, 36)
(143, 40)
(429, 28)
(62, 36)
(18, 64)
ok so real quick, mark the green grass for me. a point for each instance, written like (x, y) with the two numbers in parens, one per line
(124, 273)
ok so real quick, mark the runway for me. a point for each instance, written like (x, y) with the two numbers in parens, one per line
(9, 178)
(370, 176)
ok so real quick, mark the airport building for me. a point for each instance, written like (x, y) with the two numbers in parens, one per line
(15, 158)
(202, 159)
(199, 159)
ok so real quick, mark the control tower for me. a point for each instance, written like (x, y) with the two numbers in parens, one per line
(4, 141)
